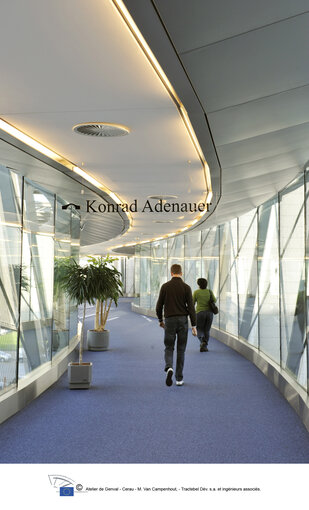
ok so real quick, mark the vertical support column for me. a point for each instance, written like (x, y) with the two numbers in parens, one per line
(306, 271)
(52, 318)
(280, 277)
(257, 273)
(20, 276)
(236, 271)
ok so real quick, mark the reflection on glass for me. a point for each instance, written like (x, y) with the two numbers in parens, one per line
(175, 251)
(38, 262)
(75, 247)
(158, 269)
(292, 277)
(38, 209)
(61, 312)
(145, 290)
(129, 276)
(10, 269)
(210, 263)
(31, 328)
(193, 265)
(228, 280)
(247, 278)
(263, 301)
(137, 274)
(268, 273)
(36, 302)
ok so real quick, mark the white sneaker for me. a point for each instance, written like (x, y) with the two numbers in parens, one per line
(179, 383)
(169, 377)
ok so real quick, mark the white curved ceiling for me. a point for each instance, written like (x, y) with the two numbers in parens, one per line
(73, 61)
(248, 63)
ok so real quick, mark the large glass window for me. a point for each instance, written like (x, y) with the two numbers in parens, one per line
(145, 268)
(129, 276)
(247, 277)
(228, 279)
(137, 274)
(192, 265)
(268, 274)
(292, 280)
(210, 263)
(257, 266)
(175, 251)
(61, 312)
(36, 319)
(10, 274)
(38, 272)
(158, 269)
(307, 271)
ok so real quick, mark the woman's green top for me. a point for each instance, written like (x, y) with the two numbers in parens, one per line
(202, 298)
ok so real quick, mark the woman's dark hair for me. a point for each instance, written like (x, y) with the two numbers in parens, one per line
(202, 283)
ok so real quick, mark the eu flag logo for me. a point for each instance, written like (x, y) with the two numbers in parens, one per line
(66, 491)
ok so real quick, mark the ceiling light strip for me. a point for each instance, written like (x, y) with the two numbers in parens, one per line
(34, 144)
(11, 130)
(123, 11)
(126, 16)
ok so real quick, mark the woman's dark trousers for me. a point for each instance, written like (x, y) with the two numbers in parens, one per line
(204, 321)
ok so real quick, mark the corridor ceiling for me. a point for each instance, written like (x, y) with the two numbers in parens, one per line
(239, 67)
(247, 61)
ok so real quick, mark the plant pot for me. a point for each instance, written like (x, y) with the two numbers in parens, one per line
(98, 340)
(79, 375)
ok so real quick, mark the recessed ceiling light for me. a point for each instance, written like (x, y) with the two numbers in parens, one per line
(101, 129)
(162, 197)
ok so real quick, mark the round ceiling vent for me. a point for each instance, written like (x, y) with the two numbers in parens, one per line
(101, 129)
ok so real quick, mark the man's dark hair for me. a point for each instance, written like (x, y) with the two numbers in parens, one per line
(176, 269)
(202, 283)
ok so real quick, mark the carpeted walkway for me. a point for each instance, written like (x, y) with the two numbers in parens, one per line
(227, 411)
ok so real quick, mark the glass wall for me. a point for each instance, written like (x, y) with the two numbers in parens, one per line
(158, 269)
(292, 280)
(37, 270)
(247, 278)
(268, 279)
(192, 262)
(228, 319)
(210, 240)
(11, 281)
(175, 251)
(257, 266)
(36, 320)
(145, 266)
(137, 275)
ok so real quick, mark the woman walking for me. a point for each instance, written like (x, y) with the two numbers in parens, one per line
(204, 314)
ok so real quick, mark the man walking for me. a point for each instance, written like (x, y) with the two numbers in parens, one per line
(176, 298)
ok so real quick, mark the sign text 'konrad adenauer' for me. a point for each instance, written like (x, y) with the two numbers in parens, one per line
(161, 206)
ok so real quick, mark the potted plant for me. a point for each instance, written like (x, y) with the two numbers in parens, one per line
(108, 288)
(77, 282)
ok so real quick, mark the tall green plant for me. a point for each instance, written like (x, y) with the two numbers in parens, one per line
(107, 279)
(77, 282)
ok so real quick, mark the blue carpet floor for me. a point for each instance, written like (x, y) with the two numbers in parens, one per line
(227, 411)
